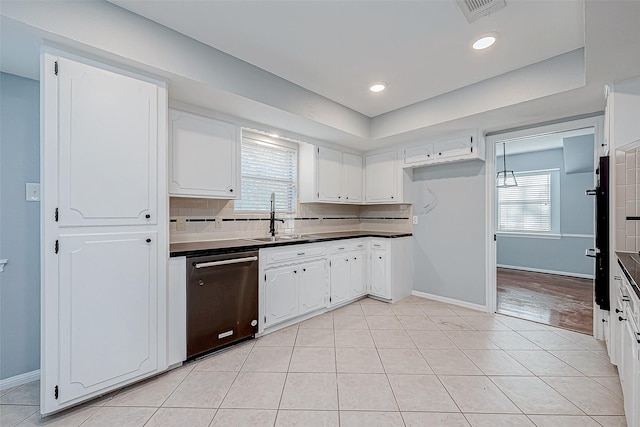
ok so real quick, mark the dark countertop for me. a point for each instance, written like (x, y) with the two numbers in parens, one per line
(630, 262)
(214, 247)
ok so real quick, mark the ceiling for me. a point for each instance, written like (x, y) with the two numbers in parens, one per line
(336, 49)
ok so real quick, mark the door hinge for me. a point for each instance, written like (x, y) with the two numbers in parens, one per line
(265, 277)
(495, 238)
(329, 299)
(329, 263)
(56, 248)
(55, 392)
(318, 150)
(265, 319)
(55, 68)
(56, 215)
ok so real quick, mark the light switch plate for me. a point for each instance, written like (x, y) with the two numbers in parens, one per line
(181, 223)
(32, 192)
(415, 220)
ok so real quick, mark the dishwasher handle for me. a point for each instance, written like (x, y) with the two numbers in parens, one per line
(224, 262)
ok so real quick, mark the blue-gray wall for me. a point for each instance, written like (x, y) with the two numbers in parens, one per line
(565, 254)
(19, 226)
(449, 239)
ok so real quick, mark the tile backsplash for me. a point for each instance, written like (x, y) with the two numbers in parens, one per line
(211, 219)
(627, 197)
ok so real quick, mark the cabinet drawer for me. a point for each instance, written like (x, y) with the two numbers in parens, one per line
(276, 256)
(348, 246)
(379, 244)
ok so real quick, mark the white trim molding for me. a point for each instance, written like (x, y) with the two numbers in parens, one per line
(446, 300)
(541, 270)
(543, 235)
(20, 379)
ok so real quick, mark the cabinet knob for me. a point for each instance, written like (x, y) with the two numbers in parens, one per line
(231, 190)
(392, 197)
(347, 260)
(148, 240)
(620, 318)
(347, 197)
(304, 269)
(619, 311)
(379, 257)
(439, 154)
(339, 197)
(354, 258)
(147, 216)
(295, 271)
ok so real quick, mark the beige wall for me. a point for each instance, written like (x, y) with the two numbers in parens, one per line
(225, 223)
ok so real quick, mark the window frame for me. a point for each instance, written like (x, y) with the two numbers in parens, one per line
(259, 138)
(554, 205)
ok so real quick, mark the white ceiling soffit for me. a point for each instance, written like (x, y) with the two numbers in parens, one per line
(422, 49)
(541, 142)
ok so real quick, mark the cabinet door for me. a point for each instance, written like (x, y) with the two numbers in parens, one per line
(340, 277)
(203, 156)
(352, 181)
(453, 147)
(358, 274)
(312, 286)
(329, 175)
(381, 177)
(628, 370)
(108, 147)
(281, 294)
(378, 275)
(108, 312)
(418, 154)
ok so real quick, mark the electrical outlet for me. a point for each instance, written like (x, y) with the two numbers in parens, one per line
(218, 222)
(415, 220)
(32, 192)
(181, 223)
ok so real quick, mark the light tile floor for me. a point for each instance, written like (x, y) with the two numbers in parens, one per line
(414, 363)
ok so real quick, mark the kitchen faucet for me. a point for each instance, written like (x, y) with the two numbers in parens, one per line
(272, 217)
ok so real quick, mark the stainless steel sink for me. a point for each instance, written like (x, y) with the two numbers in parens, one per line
(284, 238)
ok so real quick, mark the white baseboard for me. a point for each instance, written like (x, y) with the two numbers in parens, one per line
(540, 270)
(446, 300)
(17, 380)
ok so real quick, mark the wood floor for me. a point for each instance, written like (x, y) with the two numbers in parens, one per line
(565, 302)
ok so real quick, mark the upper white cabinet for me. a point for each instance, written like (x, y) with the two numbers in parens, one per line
(107, 173)
(328, 175)
(385, 180)
(104, 222)
(622, 112)
(450, 150)
(204, 157)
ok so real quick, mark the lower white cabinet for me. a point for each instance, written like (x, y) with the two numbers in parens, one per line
(390, 268)
(358, 273)
(348, 272)
(378, 266)
(293, 290)
(629, 371)
(340, 279)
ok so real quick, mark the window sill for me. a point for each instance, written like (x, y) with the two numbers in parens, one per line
(552, 236)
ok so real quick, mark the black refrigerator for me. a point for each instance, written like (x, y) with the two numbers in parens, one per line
(601, 252)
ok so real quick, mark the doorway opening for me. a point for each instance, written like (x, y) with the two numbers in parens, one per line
(544, 223)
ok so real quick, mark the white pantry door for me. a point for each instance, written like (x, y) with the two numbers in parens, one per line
(108, 311)
(104, 233)
(107, 148)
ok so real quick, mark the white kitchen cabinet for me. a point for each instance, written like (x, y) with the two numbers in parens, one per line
(629, 370)
(340, 278)
(104, 222)
(358, 273)
(281, 294)
(107, 303)
(390, 268)
(379, 281)
(312, 287)
(328, 175)
(449, 150)
(381, 177)
(352, 177)
(617, 310)
(107, 173)
(623, 109)
(204, 157)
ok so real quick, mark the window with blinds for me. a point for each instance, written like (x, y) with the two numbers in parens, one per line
(267, 167)
(527, 206)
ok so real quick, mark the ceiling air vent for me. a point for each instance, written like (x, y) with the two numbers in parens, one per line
(476, 9)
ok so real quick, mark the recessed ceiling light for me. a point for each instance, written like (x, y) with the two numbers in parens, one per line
(378, 87)
(484, 42)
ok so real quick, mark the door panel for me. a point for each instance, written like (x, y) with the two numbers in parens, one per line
(358, 274)
(312, 286)
(108, 310)
(379, 273)
(339, 278)
(107, 147)
(281, 295)
(381, 177)
(352, 177)
(329, 174)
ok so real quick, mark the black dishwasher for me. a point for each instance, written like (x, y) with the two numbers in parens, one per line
(222, 300)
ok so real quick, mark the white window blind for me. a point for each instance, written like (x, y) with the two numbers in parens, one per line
(267, 168)
(527, 206)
